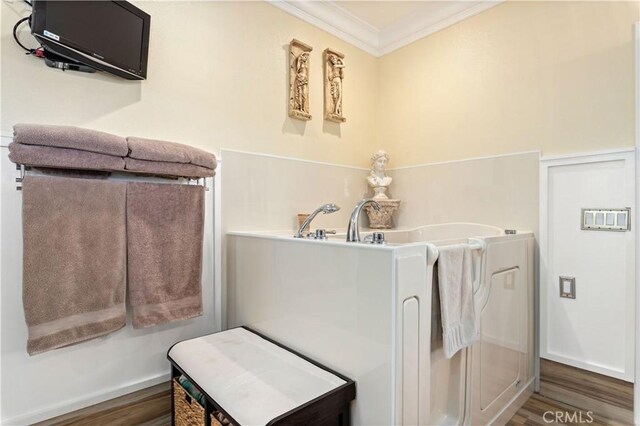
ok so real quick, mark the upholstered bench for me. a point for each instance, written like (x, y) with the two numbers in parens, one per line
(240, 377)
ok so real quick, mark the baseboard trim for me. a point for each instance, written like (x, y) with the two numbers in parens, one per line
(593, 368)
(65, 407)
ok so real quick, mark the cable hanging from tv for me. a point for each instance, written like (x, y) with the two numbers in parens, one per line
(117, 42)
(51, 59)
(30, 51)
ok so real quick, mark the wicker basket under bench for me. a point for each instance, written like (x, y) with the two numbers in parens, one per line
(243, 378)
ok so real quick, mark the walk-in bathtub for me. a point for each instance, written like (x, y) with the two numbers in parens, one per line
(366, 311)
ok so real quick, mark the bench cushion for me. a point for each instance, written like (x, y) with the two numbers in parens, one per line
(253, 379)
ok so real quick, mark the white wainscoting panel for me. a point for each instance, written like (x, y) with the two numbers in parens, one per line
(500, 190)
(595, 331)
(39, 387)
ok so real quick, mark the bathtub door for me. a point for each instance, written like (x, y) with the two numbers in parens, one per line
(501, 357)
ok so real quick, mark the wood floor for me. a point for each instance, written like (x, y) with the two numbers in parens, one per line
(543, 411)
(568, 396)
(573, 396)
(148, 407)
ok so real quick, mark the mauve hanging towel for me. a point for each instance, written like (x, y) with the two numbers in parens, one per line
(165, 225)
(74, 260)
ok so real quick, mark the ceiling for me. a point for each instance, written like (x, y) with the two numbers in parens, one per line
(382, 14)
(380, 27)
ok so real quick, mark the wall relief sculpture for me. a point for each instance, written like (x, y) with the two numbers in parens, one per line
(299, 54)
(333, 90)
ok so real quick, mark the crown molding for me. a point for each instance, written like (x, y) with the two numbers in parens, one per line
(330, 17)
(415, 27)
(334, 20)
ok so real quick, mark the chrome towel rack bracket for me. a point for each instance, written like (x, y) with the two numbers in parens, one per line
(21, 168)
(22, 171)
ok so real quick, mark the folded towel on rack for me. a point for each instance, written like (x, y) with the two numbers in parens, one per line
(62, 158)
(455, 282)
(74, 260)
(70, 137)
(169, 152)
(165, 225)
(163, 168)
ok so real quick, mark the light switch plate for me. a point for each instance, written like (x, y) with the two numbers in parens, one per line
(606, 220)
(568, 287)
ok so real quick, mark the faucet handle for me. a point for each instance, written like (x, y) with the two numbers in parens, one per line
(375, 238)
(321, 234)
(378, 238)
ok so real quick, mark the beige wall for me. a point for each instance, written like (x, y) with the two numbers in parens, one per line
(551, 76)
(218, 78)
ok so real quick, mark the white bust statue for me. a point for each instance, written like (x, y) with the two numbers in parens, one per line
(377, 178)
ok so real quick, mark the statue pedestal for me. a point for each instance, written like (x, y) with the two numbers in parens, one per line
(382, 219)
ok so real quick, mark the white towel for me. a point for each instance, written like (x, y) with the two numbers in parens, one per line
(456, 298)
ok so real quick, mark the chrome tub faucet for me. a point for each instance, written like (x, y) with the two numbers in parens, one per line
(353, 231)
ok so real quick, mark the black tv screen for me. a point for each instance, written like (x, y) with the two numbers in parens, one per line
(109, 35)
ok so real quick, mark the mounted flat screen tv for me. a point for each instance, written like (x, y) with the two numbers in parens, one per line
(111, 36)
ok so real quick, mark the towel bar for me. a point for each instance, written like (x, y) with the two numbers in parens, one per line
(22, 171)
(476, 244)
